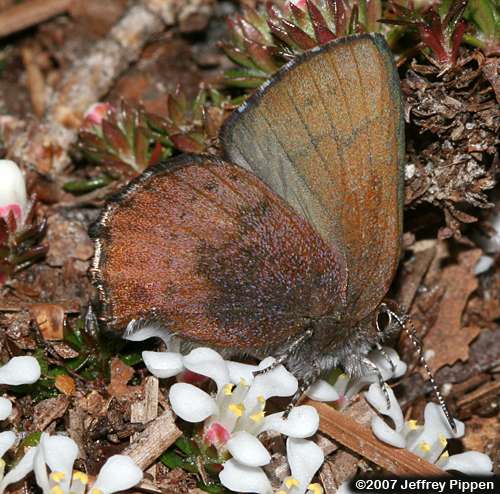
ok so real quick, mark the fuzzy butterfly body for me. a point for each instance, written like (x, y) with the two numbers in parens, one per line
(287, 245)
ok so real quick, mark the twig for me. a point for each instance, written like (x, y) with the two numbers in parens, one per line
(154, 440)
(45, 144)
(36, 82)
(29, 13)
(146, 410)
(343, 429)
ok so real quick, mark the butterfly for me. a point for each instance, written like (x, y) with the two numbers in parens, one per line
(287, 244)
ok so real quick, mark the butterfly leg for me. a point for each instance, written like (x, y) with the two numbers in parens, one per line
(304, 384)
(380, 378)
(290, 350)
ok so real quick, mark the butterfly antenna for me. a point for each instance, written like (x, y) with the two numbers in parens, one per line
(407, 326)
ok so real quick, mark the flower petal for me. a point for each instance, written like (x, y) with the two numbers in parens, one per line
(242, 478)
(163, 364)
(470, 463)
(39, 466)
(302, 421)
(376, 397)
(322, 391)
(305, 458)
(5, 408)
(20, 370)
(239, 371)
(208, 362)
(7, 440)
(387, 434)
(140, 331)
(23, 468)
(191, 403)
(59, 453)
(248, 450)
(118, 474)
(277, 382)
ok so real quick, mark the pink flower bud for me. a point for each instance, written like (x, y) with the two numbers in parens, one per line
(216, 435)
(13, 197)
(301, 4)
(96, 113)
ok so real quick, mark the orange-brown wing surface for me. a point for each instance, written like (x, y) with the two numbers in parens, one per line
(326, 134)
(209, 250)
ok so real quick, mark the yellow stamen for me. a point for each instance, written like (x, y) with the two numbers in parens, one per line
(57, 489)
(424, 446)
(243, 382)
(315, 488)
(442, 440)
(445, 454)
(228, 389)
(237, 408)
(412, 424)
(281, 492)
(57, 476)
(95, 491)
(342, 376)
(82, 477)
(257, 417)
(261, 400)
(291, 482)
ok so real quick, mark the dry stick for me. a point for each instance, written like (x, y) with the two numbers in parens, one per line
(36, 82)
(146, 410)
(153, 440)
(359, 439)
(29, 13)
(45, 144)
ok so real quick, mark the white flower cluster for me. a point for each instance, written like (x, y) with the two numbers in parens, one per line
(18, 370)
(55, 453)
(235, 416)
(52, 462)
(428, 441)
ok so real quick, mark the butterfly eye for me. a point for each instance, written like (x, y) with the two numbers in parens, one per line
(384, 319)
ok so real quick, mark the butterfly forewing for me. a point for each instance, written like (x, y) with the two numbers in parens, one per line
(206, 248)
(327, 136)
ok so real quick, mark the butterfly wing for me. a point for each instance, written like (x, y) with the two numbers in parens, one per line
(326, 134)
(208, 249)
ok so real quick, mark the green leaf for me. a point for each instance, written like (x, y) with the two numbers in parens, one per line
(131, 358)
(89, 185)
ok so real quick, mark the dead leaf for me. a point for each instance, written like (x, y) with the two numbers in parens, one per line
(49, 410)
(65, 384)
(50, 320)
(120, 375)
(447, 338)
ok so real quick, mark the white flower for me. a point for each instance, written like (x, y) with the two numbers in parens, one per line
(235, 416)
(20, 370)
(13, 197)
(427, 441)
(305, 458)
(5, 408)
(343, 389)
(52, 462)
(7, 440)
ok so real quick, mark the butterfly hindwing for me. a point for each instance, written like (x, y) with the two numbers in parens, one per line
(206, 248)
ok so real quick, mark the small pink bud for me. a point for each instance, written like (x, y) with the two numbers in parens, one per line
(96, 113)
(13, 197)
(301, 4)
(216, 435)
(191, 377)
